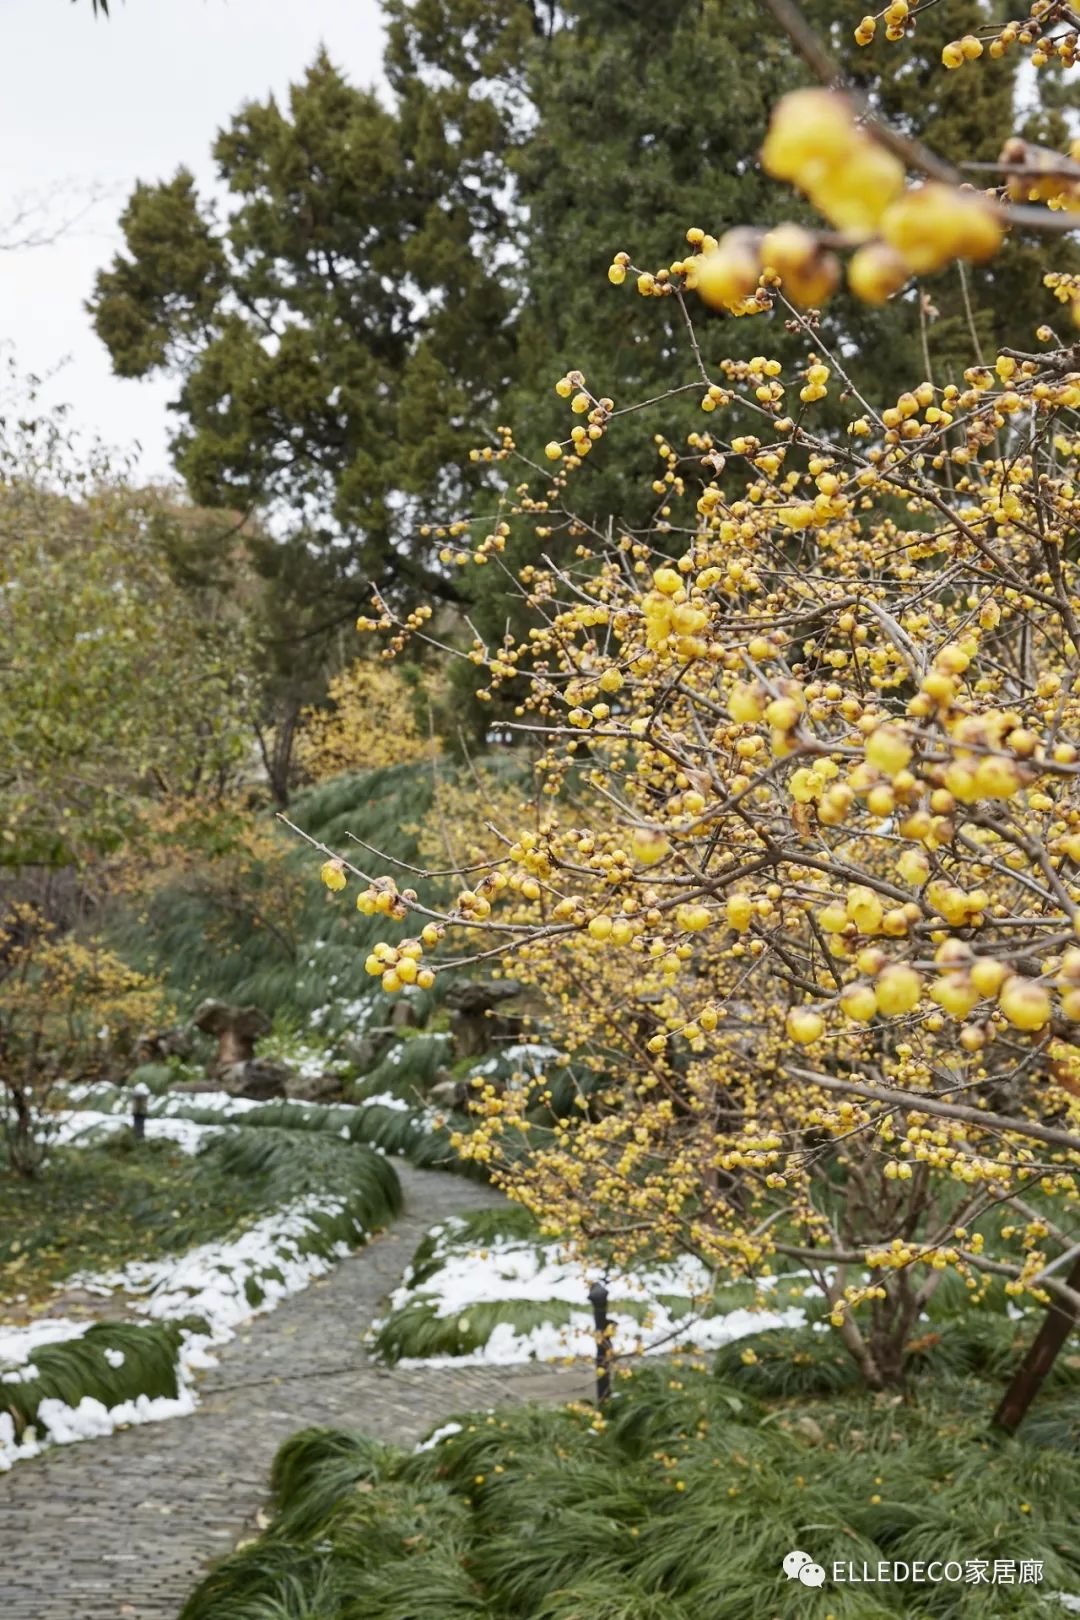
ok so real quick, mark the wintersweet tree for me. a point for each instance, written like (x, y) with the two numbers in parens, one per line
(119, 690)
(69, 1010)
(800, 881)
(371, 718)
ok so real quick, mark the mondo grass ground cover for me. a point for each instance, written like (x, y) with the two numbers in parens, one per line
(383, 1122)
(251, 1231)
(309, 969)
(488, 1287)
(679, 1502)
(89, 1381)
(100, 1206)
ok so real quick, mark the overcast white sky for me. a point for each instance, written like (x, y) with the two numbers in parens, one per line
(102, 103)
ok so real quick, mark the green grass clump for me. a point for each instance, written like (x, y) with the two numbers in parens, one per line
(680, 1504)
(72, 1369)
(788, 1363)
(418, 1328)
(312, 958)
(99, 1207)
(286, 1165)
(402, 1134)
(408, 1068)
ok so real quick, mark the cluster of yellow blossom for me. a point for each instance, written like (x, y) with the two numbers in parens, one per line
(901, 19)
(729, 280)
(898, 17)
(797, 885)
(1066, 289)
(815, 142)
(597, 414)
(399, 965)
(1038, 174)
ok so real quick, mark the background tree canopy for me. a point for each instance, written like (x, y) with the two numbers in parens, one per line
(118, 687)
(382, 281)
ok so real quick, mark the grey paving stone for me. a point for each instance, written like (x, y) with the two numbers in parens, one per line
(122, 1528)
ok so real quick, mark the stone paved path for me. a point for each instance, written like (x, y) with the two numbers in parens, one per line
(124, 1526)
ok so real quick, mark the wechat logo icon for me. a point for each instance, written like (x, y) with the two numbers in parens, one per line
(800, 1566)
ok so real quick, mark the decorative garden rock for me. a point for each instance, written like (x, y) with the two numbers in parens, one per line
(473, 1022)
(259, 1078)
(236, 1028)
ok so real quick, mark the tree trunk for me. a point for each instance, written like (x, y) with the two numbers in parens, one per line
(24, 1150)
(277, 759)
(1031, 1373)
(281, 759)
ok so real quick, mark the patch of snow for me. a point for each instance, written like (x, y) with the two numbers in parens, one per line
(84, 1126)
(60, 1424)
(91, 1418)
(215, 1102)
(509, 1269)
(576, 1339)
(17, 1344)
(167, 1116)
(212, 1280)
(385, 1099)
(437, 1436)
(20, 1375)
(536, 1054)
(355, 1015)
(530, 1056)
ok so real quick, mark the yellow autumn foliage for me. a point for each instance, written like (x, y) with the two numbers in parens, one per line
(370, 720)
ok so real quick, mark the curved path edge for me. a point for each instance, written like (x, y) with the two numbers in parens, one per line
(125, 1526)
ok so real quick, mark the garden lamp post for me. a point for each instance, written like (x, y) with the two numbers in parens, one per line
(140, 1092)
(598, 1298)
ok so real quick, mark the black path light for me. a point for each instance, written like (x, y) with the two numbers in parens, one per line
(598, 1299)
(140, 1093)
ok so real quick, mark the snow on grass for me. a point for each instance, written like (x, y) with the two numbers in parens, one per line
(437, 1436)
(56, 1421)
(386, 1099)
(526, 1056)
(118, 1101)
(170, 1118)
(355, 1015)
(309, 1061)
(224, 1283)
(85, 1126)
(59, 1424)
(229, 1282)
(92, 1419)
(674, 1304)
(17, 1344)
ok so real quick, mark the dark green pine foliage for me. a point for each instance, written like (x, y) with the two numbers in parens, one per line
(335, 328)
(650, 121)
(383, 287)
(966, 115)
